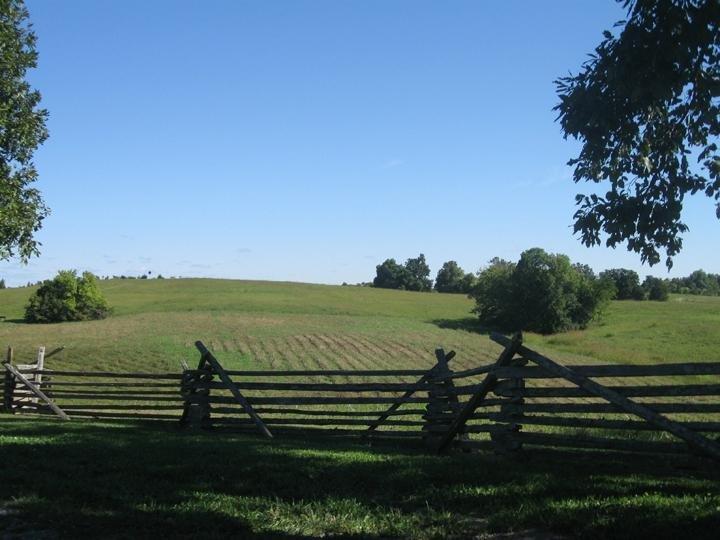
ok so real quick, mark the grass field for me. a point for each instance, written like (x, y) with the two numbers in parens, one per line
(92, 479)
(156, 322)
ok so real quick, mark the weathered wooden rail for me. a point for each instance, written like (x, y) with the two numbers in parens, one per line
(522, 400)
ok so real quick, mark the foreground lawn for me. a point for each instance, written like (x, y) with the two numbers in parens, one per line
(78, 479)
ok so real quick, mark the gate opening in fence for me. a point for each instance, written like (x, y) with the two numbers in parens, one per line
(524, 399)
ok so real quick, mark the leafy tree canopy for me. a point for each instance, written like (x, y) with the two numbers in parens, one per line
(656, 288)
(453, 279)
(543, 293)
(627, 283)
(412, 276)
(417, 274)
(67, 297)
(389, 275)
(645, 108)
(22, 130)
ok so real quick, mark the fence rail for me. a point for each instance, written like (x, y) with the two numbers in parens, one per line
(524, 399)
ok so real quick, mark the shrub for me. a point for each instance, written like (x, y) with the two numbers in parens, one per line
(656, 289)
(67, 297)
(542, 293)
(492, 294)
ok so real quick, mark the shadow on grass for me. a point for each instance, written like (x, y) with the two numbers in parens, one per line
(468, 324)
(83, 479)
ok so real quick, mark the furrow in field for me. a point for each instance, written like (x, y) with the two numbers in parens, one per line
(369, 357)
(297, 356)
(385, 356)
(279, 350)
(328, 358)
(310, 353)
(345, 360)
(257, 359)
(360, 359)
(240, 346)
(406, 352)
(265, 347)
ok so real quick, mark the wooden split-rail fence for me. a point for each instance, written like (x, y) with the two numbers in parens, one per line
(524, 399)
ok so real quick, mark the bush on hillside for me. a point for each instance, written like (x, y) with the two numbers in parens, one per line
(541, 293)
(67, 297)
(656, 289)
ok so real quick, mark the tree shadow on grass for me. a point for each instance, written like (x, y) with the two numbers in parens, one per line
(468, 324)
(14, 321)
(107, 480)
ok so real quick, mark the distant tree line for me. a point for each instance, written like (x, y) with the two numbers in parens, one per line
(699, 282)
(542, 292)
(411, 276)
(628, 286)
(414, 275)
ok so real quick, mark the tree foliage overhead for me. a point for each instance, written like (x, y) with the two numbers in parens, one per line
(543, 293)
(67, 297)
(22, 130)
(645, 108)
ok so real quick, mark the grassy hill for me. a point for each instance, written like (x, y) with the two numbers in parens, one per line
(125, 480)
(274, 325)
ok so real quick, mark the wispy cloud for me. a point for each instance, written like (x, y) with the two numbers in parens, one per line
(243, 250)
(552, 177)
(392, 163)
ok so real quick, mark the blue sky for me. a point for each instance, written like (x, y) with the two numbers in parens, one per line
(310, 140)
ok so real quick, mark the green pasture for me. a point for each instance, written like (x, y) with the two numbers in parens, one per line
(79, 478)
(269, 324)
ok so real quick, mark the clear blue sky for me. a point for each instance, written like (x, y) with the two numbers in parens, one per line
(310, 140)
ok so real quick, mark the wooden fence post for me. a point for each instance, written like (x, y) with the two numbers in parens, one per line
(443, 406)
(9, 384)
(458, 423)
(405, 397)
(36, 391)
(39, 365)
(504, 437)
(196, 410)
(230, 385)
(696, 440)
